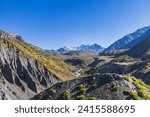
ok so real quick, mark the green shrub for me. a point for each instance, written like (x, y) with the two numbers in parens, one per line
(137, 85)
(94, 85)
(83, 89)
(145, 85)
(127, 78)
(81, 97)
(143, 94)
(132, 94)
(67, 95)
(117, 87)
(141, 86)
(134, 79)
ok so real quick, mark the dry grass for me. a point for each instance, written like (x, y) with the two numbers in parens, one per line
(62, 70)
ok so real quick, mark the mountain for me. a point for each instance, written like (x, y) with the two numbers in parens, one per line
(29, 72)
(94, 48)
(66, 49)
(134, 61)
(11, 36)
(122, 77)
(25, 71)
(130, 40)
(142, 49)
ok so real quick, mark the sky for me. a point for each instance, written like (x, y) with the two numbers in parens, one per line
(51, 24)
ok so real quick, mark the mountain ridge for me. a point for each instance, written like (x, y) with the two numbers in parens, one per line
(94, 47)
(129, 40)
(25, 71)
(142, 49)
(28, 71)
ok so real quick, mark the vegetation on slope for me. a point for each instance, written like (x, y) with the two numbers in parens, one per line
(83, 72)
(132, 94)
(57, 67)
(143, 90)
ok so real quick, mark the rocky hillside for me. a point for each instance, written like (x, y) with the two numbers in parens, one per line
(104, 87)
(24, 71)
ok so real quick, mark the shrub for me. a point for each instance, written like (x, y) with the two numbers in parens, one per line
(132, 94)
(83, 89)
(81, 97)
(143, 94)
(127, 78)
(67, 95)
(145, 85)
(117, 87)
(94, 85)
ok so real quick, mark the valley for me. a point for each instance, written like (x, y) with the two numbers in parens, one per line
(86, 72)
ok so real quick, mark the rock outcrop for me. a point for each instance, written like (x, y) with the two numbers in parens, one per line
(106, 86)
(21, 76)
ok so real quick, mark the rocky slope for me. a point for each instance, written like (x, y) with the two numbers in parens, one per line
(24, 71)
(104, 87)
(21, 76)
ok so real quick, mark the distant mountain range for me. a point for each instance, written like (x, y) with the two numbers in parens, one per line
(126, 42)
(94, 48)
(29, 72)
(130, 40)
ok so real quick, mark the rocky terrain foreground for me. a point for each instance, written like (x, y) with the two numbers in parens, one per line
(28, 72)
(103, 87)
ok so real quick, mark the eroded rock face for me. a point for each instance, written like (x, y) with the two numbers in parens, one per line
(2, 95)
(21, 77)
(101, 87)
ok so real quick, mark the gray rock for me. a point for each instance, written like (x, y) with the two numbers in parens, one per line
(21, 77)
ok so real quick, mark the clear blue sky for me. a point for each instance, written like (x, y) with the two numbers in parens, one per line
(55, 23)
